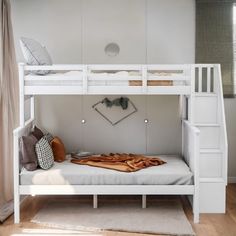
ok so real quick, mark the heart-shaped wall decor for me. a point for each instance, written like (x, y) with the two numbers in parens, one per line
(114, 114)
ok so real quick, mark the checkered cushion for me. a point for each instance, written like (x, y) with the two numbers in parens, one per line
(44, 153)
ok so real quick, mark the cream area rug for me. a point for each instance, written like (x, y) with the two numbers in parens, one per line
(163, 217)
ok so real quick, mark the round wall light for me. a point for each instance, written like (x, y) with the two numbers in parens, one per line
(112, 49)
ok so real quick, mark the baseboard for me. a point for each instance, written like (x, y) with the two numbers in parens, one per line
(232, 179)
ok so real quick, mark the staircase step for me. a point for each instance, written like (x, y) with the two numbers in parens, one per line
(212, 180)
(210, 150)
(205, 95)
(207, 125)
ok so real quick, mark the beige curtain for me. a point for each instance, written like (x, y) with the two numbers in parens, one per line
(214, 38)
(8, 102)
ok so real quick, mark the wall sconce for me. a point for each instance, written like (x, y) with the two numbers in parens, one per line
(112, 49)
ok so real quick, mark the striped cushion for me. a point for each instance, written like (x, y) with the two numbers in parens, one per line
(44, 153)
(35, 54)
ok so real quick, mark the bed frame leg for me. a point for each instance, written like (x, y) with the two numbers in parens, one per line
(95, 201)
(196, 209)
(196, 219)
(144, 201)
(16, 209)
(16, 180)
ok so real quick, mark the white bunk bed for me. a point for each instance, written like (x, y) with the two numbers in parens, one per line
(196, 93)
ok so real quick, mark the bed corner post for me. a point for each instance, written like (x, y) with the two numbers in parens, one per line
(21, 94)
(144, 201)
(16, 178)
(16, 144)
(196, 196)
(192, 96)
(95, 201)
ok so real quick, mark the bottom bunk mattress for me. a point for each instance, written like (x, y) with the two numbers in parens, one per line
(174, 172)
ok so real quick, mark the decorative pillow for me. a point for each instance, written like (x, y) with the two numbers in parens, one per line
(27, 152)
(58, 149)
(44, 153)
(35, 54)
(37, 133)
(49, 137)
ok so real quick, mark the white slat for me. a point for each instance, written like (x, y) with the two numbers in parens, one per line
(199, 79)
(208, 79)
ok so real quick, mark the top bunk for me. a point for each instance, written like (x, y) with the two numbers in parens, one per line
(113, 79)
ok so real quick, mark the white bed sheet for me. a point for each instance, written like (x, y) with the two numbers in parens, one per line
(174, 172)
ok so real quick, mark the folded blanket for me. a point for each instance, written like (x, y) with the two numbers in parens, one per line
(121, 162)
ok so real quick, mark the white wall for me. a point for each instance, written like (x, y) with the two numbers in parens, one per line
(76, 31)
(171, 31)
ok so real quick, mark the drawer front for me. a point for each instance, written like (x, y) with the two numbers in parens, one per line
(210, 137)
(206, 110)
(211, 165)
(212, 198)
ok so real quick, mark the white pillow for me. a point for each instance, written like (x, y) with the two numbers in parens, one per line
(35, 54)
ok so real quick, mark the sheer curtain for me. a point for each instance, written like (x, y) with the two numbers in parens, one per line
(214, 38)
(8, 103)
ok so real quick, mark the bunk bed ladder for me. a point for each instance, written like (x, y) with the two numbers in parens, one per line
(206, 111)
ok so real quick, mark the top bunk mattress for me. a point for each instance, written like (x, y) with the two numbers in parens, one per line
(174, 172)
(121, 78)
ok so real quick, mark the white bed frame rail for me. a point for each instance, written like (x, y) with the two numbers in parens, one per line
(191, 137)
(80, 83)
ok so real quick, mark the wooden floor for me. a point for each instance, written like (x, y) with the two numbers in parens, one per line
(210, 224)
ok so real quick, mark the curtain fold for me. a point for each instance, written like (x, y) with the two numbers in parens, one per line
(214, 38)
(8, 102)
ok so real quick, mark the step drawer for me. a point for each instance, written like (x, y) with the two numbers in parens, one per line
(210, 165)
(212, 197)
(206, 110)
(209, 137)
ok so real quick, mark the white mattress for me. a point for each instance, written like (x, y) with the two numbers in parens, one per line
(174, 172)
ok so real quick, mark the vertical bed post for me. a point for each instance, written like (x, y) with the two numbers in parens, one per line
(21, 94)
(16, 144)
(144, 201)
(196, 198)
(95, 201)
(85, 79)
(16, 178)
(144, 79)
(32, 100)
(192, 95)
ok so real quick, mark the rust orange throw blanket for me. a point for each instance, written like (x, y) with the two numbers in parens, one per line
(121, 162)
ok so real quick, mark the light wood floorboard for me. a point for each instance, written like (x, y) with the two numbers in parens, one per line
(210, 224)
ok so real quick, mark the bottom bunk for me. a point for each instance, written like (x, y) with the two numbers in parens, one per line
(174, 172)
(178, 176)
